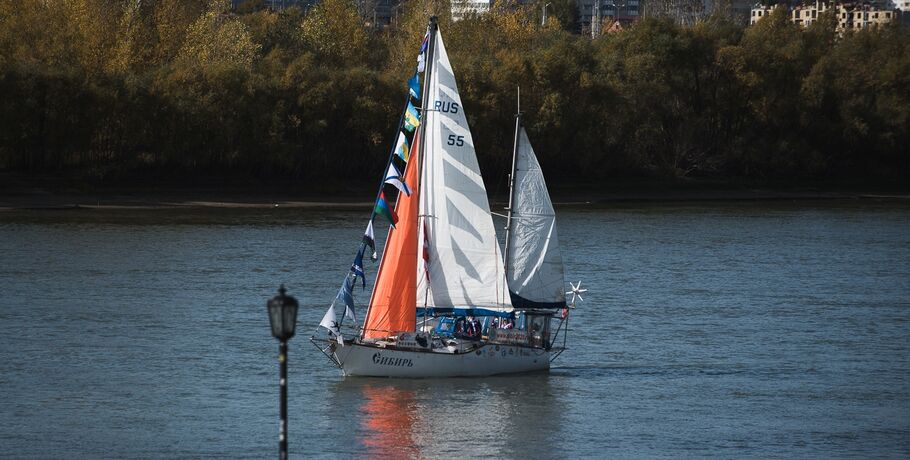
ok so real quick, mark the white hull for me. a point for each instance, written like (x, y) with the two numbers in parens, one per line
(489, 359)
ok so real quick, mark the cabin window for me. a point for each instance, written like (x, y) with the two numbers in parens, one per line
(538, 330)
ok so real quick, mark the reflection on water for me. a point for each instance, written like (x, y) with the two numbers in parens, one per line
(467, 417)
(389, 417)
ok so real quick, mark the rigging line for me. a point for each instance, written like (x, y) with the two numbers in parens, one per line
(512, 185)
(426, 270)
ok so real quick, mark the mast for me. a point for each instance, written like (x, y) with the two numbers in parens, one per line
(425, 96)
(512, 185)
(433, 27)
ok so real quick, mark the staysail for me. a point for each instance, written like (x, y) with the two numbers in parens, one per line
(534, 263)
(463, 259)
(394, 295)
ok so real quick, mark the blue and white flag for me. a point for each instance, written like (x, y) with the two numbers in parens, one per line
(425, 42)
(422, 57)
(414, 87)
(346, 296)
(370, 240)
(330, 321)
(393, 177)
(357, 267)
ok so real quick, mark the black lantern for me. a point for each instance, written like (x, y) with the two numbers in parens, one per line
(283, 315)
(283, 318)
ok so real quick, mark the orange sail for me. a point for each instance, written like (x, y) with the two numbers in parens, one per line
(393, 307)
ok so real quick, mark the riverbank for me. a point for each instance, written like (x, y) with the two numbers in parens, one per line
(20, 192)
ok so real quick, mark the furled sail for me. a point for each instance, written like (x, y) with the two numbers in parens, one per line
(463, 259)
(394, 295)
(534, 266)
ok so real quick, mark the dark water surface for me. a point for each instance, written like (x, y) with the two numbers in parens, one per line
(771, 330)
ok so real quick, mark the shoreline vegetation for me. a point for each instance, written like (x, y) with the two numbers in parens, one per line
(105, 99)
(20, 192)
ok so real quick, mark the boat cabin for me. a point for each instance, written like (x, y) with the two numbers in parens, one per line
(526, 328)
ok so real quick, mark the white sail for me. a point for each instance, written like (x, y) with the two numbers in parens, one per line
(465, 266)
(535, 268)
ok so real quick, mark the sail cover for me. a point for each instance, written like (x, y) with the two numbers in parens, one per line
(463, 261)
(535, 269)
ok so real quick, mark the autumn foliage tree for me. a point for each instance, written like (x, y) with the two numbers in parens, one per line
(115, 90)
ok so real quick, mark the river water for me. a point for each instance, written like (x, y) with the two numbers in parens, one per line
(771, 330)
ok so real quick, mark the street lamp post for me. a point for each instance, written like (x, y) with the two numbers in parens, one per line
(543, 23)
(282, 311)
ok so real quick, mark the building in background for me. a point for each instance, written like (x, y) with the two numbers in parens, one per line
(760, 11)
(464, 8)
(736, 10)
(376, 13)
(903, 7)
(850, 15)
(593, 14)
(274, 5)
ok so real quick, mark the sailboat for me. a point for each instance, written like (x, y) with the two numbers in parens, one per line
(447, 302)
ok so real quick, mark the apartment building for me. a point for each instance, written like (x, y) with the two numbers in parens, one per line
(850, 16)
(760, 11)
(464, 8)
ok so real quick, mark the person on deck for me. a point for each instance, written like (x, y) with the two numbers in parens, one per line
(459, 327)
(470, 330)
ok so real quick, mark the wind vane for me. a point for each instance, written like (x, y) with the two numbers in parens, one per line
(576, 292)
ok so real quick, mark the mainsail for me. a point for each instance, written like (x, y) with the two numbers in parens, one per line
(463, 259)
(534, 264)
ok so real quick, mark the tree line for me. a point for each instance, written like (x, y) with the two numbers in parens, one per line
(113, 89)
